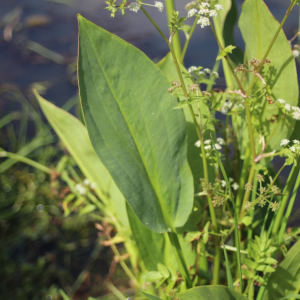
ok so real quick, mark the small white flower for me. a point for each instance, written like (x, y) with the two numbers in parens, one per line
(205, 4)
(207, 71)
(220, 141)
(218, 146)
(287, 107)
(296, 115)
(191, 12)
(159, 6)
(198, 144)
(213, 13)
(215, 74)
(296, 142)
(81, 189)
(296, 53)
(206, 142)
(135, 7)
(219, 7)
(235, 186)
(208, 147)
(284, 142)
(223, 183)
(203, 21)
(293, 149)
(192, 69)
(93, 185)
(201, 73)
(295, 108)
(203, 11)
(86, 182)
(281, 101)
(230, 179)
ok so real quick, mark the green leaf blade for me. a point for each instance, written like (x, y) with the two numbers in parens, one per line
(133, 127)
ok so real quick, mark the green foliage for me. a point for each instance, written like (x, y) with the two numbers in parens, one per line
(210, 292)
(258, 27)
(224, 52)
(118, 111)
(285, 280)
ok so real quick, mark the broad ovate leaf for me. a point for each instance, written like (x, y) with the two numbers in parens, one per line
(211, 292)
(133, 127)
(258, 27)
(76, 139)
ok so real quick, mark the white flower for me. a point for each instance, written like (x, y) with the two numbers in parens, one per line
(235, 186)
(134, 7)
(215, 74)
(220, 141)
(230, 179)
(159, 6)
(219, 7)
(218, 146)
(206, 70)
(192, 69)
(208, 147)
(226, 107)
(296, 142)
(203, 11)
(86, 182)
(287, 107)
(296, 53)
(81, 189)
(191, 12)
(293, 149)
(198, 144)
(281, 101)
(206, 142)
(284, 142)
(200, 73)
(203, 21)
(295, 108)
(205, 4)
(223, 183)
(93, 185)
(296, 115)
(213, 13)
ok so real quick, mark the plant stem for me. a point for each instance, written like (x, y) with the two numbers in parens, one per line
(25, 160)
(286, 193)
(170, 7)
(180, 258)
(250, 228)
(248, 114)
(188, 40)
(205, 167)
(115, 291)
(288, 211)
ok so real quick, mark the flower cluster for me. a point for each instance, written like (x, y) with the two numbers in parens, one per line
(208, 145)
(198, 73)
(82, 188)
(295, 148)
(287, 109)
(203, 10)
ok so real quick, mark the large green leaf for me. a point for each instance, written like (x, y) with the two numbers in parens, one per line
(133, 128)
(151, 244)
(258, 27)
(285, 280)
(211, 292)
(75, 137)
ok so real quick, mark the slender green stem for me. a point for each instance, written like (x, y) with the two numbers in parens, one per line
(288, 211)
(25, 160)
(248, 192)
(248, 113)
(250, 228)
(115, 291)
(186, 44)
(205, 166)
(180, 258)
(170, 7)
(243, 178)
(286, 192)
